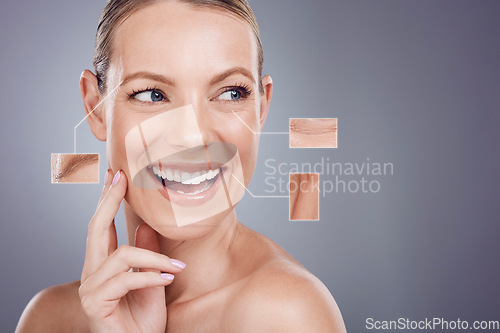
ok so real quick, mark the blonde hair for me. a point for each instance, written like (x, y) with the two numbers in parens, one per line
(116, 11)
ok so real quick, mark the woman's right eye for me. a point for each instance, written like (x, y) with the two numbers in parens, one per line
(149, 96)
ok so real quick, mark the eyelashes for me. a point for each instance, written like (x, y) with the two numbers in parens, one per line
(243, 89)
(154, 91)
(153, 94)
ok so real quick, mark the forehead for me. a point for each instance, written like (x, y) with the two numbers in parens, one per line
(180, 39)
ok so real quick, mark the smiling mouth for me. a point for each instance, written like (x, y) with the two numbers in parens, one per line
(190, 177)
(189, 183)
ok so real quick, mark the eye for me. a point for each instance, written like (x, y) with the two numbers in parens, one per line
(231, 95)
(149, 96)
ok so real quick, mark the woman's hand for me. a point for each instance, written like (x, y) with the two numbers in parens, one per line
(115, 298)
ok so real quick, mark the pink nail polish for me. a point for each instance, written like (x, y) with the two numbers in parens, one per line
(166, 276)
(178, 263)
(106, 176)
(116, 178)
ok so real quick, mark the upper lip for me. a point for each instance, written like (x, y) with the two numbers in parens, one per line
(211, 156)
(187, 167)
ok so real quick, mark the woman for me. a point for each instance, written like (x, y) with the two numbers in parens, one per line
(158, 65)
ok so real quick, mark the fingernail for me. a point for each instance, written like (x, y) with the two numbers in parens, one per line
(116, 178)
(106, 177)
(166, 276)
(178, 263)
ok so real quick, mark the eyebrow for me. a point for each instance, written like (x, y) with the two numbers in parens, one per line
(235, 70)
(150, 76)
(164, 79)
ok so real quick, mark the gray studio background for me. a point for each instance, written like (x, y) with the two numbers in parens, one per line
(413, 83)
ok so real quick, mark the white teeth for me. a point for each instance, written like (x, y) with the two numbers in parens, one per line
(194, 193)
(212, 173)
(186, 177)
(177, 177)
(199, 177)
(196, 179)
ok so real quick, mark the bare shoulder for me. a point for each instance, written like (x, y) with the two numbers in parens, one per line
(282, 296)
(54, 309)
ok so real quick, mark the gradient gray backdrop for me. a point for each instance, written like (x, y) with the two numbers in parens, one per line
(415, 83)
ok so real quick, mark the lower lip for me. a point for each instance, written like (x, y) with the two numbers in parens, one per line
(189, 200)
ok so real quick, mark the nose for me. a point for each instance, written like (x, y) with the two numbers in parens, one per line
(184, 131)
(208, 123)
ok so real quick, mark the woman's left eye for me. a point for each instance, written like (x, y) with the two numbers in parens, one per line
(231, 95)
(149, 96)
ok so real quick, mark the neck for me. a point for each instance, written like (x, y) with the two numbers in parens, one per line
(208, 259)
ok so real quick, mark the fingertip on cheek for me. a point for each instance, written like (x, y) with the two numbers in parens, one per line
(167, 276)
(116, 178)
(107, 176)
(177, 263)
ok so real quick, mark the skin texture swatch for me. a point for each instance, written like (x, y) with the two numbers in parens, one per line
(313, 132)
(304, 196)
(75, 168)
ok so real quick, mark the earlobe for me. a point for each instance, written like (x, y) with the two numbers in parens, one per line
(267, 84)
(96, 116)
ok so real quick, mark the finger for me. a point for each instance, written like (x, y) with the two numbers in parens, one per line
(127, 257)
(101, 232)
(114, 195)
(147, 238)
(107, 183)
(113, 241)
(120, 285)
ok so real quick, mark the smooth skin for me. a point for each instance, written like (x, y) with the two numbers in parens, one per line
(275, 294)
(235, 280)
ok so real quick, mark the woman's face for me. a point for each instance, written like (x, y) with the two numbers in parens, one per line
(188, 78)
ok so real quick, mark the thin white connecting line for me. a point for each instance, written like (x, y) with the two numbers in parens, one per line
(287, 133)
(260, 196)
(98, 104)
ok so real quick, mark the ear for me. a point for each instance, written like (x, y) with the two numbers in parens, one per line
(267, 84)
(96, 116)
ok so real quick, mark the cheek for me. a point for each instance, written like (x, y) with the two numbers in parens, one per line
(234, 131)
(118, 127)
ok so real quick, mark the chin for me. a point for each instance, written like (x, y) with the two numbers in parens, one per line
(160, 216)
(192, 231)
